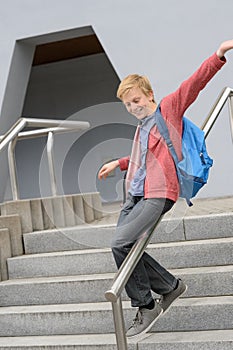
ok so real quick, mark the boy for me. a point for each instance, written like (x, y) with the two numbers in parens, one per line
(153, 186)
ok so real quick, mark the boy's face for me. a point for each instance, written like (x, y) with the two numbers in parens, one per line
(138, 104)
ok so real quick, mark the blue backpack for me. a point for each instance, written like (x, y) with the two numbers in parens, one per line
(193, 169)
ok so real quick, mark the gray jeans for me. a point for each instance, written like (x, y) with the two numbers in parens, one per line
(136, 217)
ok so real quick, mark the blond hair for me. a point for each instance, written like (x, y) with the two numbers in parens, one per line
(134, 81)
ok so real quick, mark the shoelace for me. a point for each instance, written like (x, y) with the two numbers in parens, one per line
(138, 318)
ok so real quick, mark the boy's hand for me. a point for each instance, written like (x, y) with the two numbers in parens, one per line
(107, 168)
(224, 47)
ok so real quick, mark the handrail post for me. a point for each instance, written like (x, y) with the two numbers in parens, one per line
(231, 114)
(12, 169)
(119, 324)
(50, 143)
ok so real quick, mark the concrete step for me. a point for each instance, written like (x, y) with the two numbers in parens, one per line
(99, 236)
(201, 281)
(62, 342)
(192, 314)
(213, 252)
(205, 340)
(188, 314)
(70, 238)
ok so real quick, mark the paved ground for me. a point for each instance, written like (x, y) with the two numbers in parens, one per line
(203, 206)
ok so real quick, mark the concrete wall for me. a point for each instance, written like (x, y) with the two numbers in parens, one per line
(165, 40)
(77, 89)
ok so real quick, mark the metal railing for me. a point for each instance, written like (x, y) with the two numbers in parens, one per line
(121, 278)
(48, 127)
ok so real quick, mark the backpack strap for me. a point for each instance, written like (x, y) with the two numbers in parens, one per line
(163, 129)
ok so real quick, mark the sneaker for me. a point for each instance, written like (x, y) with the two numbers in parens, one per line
(144, 320)
(166, 300)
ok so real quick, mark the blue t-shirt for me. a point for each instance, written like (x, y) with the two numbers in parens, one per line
(137, 184)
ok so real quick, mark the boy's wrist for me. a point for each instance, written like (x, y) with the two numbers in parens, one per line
(220, 53)
(116, 163)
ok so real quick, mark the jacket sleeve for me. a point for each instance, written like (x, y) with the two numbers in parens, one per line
(124, 163)
(189, 90)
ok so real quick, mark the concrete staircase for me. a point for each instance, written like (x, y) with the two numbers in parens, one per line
(54, 297)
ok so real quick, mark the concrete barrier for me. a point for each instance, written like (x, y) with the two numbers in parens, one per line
(13, 224)
(23, 209)
(54, 212)
(37, 214)
(68, 207)
(5, 252)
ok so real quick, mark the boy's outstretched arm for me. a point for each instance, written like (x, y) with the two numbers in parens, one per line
(224, 47)
(107, 168)
(123, 163)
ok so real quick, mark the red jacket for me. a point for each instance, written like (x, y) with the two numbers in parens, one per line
(161, 180)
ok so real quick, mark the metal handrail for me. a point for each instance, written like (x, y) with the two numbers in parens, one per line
(216, 109)
(121, 278)
(48, 127)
